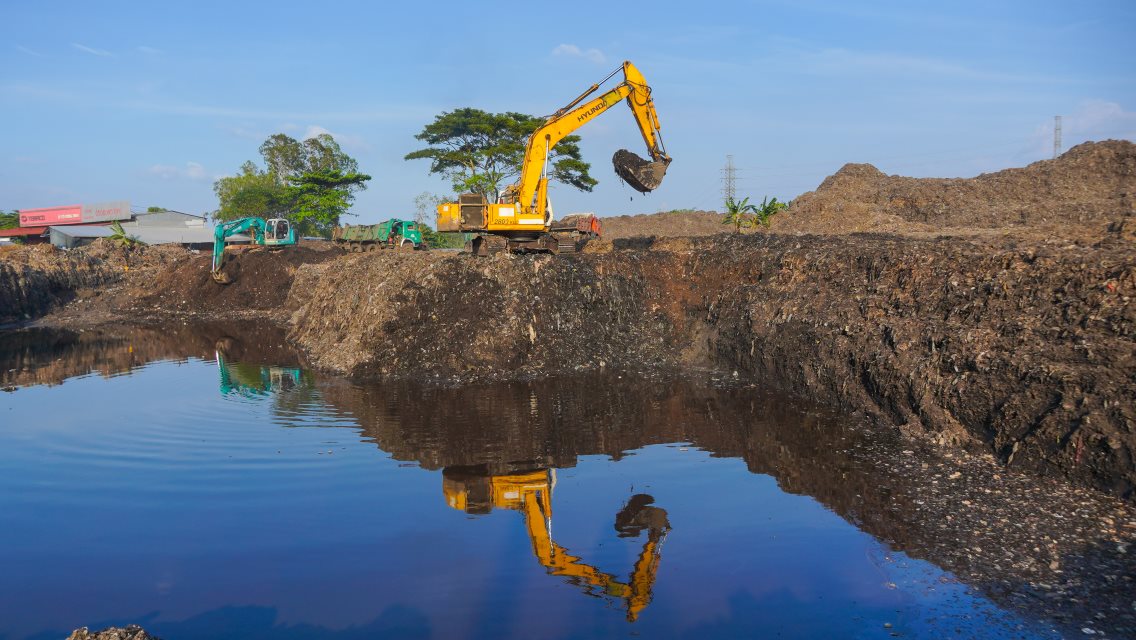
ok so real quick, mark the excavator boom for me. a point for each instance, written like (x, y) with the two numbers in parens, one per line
(635, 91)
(531, 494)
(523, 217)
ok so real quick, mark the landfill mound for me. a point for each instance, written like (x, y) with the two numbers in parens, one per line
(1087, 194)
(668, 224)
(261, 281)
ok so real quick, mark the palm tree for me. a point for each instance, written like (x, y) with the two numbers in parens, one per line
(739, 213)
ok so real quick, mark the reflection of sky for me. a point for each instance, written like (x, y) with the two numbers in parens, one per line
(153, 498)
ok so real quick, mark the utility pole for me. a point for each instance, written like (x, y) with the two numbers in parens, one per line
(1056, 136)
(729, 177)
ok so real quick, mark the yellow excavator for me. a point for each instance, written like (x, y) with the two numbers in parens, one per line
(522, 219)
(476, 491)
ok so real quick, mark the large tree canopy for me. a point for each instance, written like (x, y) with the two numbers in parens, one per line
(482, 152)
(312, 183)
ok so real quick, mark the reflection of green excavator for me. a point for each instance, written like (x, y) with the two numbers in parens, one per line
(531, 494)
(275, 233)
(255, 380)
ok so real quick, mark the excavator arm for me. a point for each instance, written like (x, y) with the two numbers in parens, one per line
(531, 494)
(636, 593)
(532, 189)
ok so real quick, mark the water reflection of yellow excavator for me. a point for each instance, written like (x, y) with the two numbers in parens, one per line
(478, 492)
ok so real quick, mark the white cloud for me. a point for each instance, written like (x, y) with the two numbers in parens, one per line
(149, 50)
(349, 141)
(572, 51)
(91, 50)
(1092, 120)
(21, 48)
(191, 171)
(246, 133)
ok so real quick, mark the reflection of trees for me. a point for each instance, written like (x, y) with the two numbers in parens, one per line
(45, 357)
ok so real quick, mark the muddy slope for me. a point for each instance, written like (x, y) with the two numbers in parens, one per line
(1028, 354)
(1087, 193)
(261, 281)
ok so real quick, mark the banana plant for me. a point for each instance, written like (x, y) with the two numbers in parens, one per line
(119, 235)
(767, 209)
(739, 213)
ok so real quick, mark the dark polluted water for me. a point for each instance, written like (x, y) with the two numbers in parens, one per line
(203, 484)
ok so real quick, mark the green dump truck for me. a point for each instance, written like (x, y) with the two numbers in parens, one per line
(392, 234)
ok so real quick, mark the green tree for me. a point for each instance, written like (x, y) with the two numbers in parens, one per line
(482, 152)
(155, 209)
(425, 210)
(739, 213)
(320, 198)
(9, 219)
(252, 192)
(767, 209)
(284, 157)
(312, 183)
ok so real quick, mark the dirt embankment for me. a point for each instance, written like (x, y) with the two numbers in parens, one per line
(1086, 194)
(34, 279)
(667, 224)
(262, 280)
(37, 278)
(1026, 353)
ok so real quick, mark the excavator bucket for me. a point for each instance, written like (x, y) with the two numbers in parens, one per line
(642, 175)
(220, 277)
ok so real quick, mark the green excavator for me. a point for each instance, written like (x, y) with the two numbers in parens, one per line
(274, 233)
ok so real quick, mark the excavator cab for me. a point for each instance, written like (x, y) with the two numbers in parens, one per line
(277, 231)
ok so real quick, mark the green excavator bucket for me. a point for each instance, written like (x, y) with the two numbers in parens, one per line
(642, 175)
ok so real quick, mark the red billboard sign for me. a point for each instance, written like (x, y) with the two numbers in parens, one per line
(75, 214)
(51, 215)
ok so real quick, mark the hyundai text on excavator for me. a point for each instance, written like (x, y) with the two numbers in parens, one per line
(274, 234)
(476, 490)
(522, 219)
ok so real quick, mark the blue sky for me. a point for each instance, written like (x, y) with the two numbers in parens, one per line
(151, 102)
